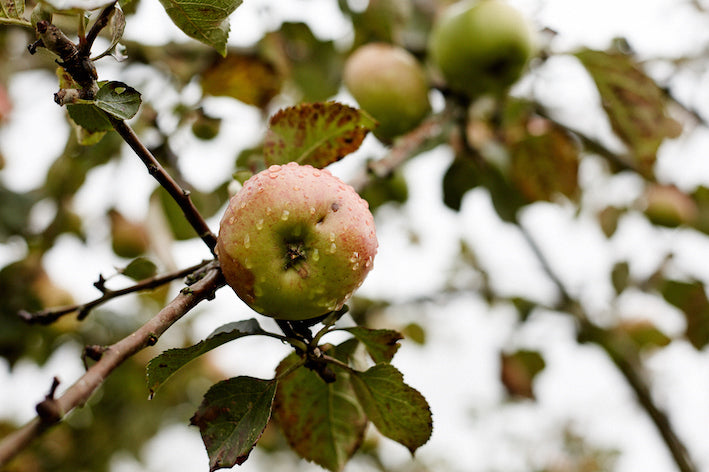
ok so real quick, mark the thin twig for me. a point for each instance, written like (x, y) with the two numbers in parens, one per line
(85, 44)
(77, 394)
(51, 315)
(629, 369)
(181, 196)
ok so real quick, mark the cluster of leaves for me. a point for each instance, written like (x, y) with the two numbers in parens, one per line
(322, 403)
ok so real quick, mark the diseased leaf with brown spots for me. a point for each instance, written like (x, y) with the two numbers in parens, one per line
(544, 157)
(315, 133)
(232, 418)
(247, 78)
(323, 422)
(634, 103)
(381, 344)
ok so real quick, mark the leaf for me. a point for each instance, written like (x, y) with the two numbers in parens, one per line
(620, 276)
(315, 133)
(140, 268)
(12, 9)
(162, 367)
(89, 117)
(518, 370)
(204, 20)
(691, 298)
(644, 334)
(118, 99)
(312, 65)
(232, 418)
(634, 103)
(381, 344)
(397, 410)
(245, 77)
(544, 161)
(323, 422)
(116, 27)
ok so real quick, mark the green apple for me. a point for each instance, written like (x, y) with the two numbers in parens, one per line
(481, 47)
(388, 83)
(295, 242)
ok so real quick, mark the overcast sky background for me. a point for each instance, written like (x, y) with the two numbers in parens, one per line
(457, 370)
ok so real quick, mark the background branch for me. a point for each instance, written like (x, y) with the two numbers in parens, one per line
(625, 357)
(112, 357)
(50, 315)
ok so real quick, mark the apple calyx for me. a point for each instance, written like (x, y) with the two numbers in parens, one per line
(295, 242)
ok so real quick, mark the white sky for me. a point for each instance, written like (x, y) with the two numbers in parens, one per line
(457, 370)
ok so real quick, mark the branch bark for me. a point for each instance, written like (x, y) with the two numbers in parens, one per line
(78, 393)
(181, 196)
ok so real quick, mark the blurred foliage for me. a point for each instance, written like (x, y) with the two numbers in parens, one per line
(513, 148)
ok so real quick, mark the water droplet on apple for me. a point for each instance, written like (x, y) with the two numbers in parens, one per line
(247, 241)
(312, 210)
(258, 291)
(316, 173)
(248, 264)
(332, 305)
(355, 266)
(284, 215)
(332, 237)
(333, 248)
(259, 224)
(316, 255)
(232, 220)
(269, 210)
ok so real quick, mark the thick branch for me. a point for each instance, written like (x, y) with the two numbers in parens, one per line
(114, 356)
(51, 315)
(181, 196)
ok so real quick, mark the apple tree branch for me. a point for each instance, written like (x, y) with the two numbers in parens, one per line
(53, 409)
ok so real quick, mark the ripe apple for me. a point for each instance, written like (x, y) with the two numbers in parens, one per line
(388, 83)
(295, 242)
(481, 47)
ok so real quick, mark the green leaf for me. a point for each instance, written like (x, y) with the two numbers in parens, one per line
(691, 298)
(163, 366)
(323, 422)
(381, 344)
(118, 99)
(89, 117)
(140, 268)
(232, 418)
(313, 66)
(634, 103)
(315, 133)
(397, 410)
(204, 20)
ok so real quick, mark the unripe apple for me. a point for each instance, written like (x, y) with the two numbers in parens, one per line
(388, 83)
(481, 47)
(295, 242)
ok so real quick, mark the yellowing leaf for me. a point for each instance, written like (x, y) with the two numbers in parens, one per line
(246, 78)
(315, 133)
(634, 103)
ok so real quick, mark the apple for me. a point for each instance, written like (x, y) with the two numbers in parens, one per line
(295, 242)
(388, 83)
(666, 205)
(480, 47)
